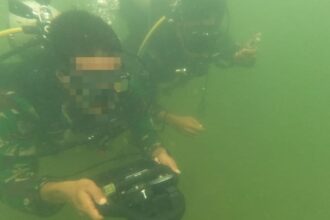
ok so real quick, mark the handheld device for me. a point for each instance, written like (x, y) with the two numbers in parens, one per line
(143, 190)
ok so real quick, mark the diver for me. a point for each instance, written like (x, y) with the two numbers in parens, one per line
(75, 92)
(178, 40)
(26, 17)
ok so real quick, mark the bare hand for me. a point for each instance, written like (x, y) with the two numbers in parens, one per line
(186, 124)
(83, 194)
(247, 53)
(254, 41)
(84, 197)
(161, 156)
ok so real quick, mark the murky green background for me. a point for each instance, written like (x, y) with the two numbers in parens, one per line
(266, 152)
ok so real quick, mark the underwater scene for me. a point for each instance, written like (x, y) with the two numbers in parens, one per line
(164, 109)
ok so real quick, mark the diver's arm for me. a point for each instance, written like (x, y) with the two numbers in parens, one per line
(153, 147)
(147, 139)
(225, 49)
(186, 124)
(19, 181)
(142, 127)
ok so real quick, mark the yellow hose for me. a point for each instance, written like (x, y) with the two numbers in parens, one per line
(10, 31)
(149, 34)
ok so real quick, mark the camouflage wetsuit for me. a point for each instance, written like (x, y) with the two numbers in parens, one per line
(25, 134)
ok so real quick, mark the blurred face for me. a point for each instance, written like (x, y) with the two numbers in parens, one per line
(94, 81)
(199, 36)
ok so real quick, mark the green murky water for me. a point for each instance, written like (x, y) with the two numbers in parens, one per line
(266, 152)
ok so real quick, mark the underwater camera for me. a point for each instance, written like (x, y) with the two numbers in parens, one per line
(143, 190)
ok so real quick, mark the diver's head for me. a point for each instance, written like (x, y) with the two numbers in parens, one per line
(87, 53)
(199, 24)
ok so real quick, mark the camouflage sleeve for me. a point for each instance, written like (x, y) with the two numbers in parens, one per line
(137, 105)
(145, 135)
(225, 50)
(19, 182)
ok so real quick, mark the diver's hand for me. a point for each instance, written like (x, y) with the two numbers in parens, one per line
(82, 194)
(186, 124)
(161, 156)
(247, 53)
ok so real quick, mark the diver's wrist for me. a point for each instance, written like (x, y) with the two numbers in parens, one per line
(57, 192)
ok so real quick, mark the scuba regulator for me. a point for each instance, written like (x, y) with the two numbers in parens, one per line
(33, 16)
